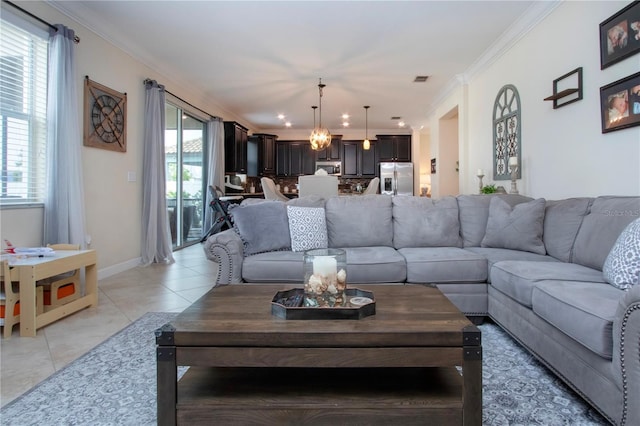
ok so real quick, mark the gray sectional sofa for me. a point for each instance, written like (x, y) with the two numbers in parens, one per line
(535, 267)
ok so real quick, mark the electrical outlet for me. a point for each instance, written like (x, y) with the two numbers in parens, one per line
(87, 239)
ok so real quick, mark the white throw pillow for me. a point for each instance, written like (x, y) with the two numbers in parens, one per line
(622, 267)
(308, 228)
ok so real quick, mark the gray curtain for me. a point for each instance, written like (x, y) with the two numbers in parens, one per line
(64, 217)
(215, 169)
(156, 236)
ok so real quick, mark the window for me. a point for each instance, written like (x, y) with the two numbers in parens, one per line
(23, 109)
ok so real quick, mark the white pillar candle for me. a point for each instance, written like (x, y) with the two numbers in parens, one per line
(325, 265)
(513, 161)
(480, 172)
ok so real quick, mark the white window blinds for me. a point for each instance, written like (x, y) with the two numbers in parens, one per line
(23, 108)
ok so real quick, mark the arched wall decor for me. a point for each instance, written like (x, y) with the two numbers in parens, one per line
(506, 132)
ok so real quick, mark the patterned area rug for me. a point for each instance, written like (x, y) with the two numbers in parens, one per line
(115, 384)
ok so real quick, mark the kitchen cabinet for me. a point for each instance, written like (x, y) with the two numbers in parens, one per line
(235, 147)
(333, 152)
(394, 147)
(294, 158)
(358, 162)
(266, 153)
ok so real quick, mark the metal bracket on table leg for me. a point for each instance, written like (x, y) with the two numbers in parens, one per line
(164, 335)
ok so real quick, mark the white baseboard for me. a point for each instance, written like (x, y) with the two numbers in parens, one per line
(120, 267)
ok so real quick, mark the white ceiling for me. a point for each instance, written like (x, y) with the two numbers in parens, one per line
(259, 59)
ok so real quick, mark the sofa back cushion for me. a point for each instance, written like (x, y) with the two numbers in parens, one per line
(424, 222)
(359, 221)
(562, 220)
(474, 211)
(516, 228)
(608, 217)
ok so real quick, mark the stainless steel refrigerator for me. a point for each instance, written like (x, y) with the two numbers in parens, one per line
(396, 178)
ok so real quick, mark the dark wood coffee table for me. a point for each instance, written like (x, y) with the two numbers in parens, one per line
(249, 367)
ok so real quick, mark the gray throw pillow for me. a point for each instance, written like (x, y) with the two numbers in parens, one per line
(262, 227)
(308, 228)
(517, 228)
(425, 222)
(622, 267)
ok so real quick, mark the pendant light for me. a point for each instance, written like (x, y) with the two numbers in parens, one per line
(320, 138)
(366, 144)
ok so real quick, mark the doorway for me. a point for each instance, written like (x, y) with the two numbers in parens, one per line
(184, 161)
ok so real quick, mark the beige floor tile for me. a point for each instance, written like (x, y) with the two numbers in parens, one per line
(122, 298)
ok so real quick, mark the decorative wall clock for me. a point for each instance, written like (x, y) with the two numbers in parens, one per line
(105, 117)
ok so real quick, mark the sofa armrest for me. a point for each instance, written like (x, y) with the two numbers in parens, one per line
(226, 250)
(626, 354)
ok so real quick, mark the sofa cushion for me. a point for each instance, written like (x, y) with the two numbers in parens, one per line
(601, 227)
(262, 227)
(444, 265)
(307, 227)
(494, 255)
(369, 265)
(622, 266)
(583, 311)
(374, 265)
(307, 201)
(517, 278)
(562, 220)
(425, 222)
(518, 228)
(273, 267)
(474, 212)
(359, 221)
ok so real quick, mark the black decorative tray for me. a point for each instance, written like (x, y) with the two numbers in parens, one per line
(288, 305)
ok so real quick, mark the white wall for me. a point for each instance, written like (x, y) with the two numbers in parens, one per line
(564, 153)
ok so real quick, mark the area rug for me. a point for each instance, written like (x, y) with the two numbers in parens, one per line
(115, 384)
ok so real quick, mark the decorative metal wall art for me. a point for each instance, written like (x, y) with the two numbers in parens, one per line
(506, 132)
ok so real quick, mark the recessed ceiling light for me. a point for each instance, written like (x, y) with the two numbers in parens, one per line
(345, 124)
(420, 78)
(401, 124)
(345, 116)
(281, 116)
(287, 124)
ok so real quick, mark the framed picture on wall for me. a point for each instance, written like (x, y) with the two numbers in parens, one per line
(620, 104)
(620, 35)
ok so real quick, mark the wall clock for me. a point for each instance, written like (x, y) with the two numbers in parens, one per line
(105, 117)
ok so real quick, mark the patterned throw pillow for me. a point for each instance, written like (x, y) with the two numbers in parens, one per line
(622, 267)
(308, 228)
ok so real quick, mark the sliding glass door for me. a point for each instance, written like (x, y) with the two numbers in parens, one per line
(184, 158)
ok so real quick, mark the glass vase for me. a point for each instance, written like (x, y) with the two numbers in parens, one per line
(325, 278)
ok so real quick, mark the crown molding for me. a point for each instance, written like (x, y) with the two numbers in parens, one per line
(522, 26)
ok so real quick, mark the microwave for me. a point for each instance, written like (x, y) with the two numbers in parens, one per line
(331, 167)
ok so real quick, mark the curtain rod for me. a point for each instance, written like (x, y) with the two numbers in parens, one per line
(76, 39)
(146, 80)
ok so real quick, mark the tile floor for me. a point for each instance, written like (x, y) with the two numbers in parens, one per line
(122, 298)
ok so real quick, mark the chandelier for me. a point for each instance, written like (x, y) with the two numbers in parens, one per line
(366, 144)
(320, 138)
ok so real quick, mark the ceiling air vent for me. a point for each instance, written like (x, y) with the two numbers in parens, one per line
(420, 78)
(396, 118)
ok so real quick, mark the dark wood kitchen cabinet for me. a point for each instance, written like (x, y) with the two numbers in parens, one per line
(358, 162)
(235, 147)
(394, 147)
(266, 153)
(294, 158)
(333, 152)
